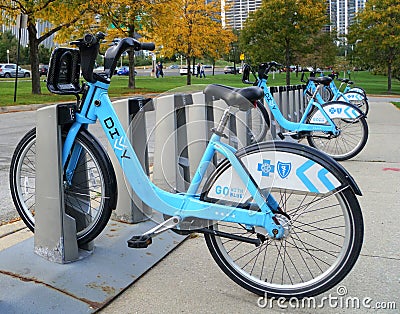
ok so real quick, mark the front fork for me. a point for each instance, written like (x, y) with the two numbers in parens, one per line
(70, 152)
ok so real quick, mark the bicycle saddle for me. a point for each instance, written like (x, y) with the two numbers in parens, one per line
(324, 80)
(234, 96)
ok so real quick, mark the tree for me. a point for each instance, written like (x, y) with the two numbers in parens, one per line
(375, 36)
(124, 18)
(324, 51)
(280, 30)
(190, 28)
(10, 43)
(61, 14)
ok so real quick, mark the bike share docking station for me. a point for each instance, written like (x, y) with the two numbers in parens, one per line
(50, 271)
(55, 229)
(69, 278)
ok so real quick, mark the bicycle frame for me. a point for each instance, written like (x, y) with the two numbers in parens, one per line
(97, 105)
(302, 125)
(337, 94)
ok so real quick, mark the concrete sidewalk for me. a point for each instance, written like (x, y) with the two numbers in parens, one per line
(189, 281)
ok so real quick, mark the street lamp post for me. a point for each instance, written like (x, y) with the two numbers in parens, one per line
(8, 56)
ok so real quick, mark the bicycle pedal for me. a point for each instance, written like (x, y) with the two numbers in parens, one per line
(140, 242)
(281, 136)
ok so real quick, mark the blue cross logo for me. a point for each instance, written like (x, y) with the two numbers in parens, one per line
(266, 168)
(333, 110)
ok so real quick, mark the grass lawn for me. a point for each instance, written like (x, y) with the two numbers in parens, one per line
(373, 84)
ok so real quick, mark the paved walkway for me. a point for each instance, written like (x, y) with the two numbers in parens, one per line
(188, 280)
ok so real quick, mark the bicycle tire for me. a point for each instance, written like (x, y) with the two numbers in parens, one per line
(322, 247)
(358, 89)
(326, 94)
(102, 191)
(363, 104)
(264, 124)
(349, 143)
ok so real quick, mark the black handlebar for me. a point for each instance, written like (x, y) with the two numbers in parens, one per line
(89, 47)
(263, 70)
(148, 46)
(114, 53)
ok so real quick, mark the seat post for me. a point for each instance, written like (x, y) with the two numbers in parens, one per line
(223, 121)
(316, 90)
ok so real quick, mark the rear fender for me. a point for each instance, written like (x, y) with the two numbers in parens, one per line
(278, 165)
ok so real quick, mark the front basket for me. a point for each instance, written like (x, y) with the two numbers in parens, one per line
(64, 72)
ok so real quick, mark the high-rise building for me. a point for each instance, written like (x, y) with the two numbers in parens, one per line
(41, 28)
(235, 12)
(341, 13)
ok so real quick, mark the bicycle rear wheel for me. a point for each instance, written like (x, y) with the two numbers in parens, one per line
(350, 142)
(92, 192)
(324, 235)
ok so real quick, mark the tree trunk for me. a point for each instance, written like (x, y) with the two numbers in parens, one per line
(131, 56)
(189, 75)
(34, 57)
(287, 75)
(213, 67)
(287, 62)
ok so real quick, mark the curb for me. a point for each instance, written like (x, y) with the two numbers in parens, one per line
(33, 107)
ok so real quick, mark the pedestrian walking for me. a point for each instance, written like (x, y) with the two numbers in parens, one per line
(159, 70)
(202, 73)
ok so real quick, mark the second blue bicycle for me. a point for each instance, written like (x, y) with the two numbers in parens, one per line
(336, 128)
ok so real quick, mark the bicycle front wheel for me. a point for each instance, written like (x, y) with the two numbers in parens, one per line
(358, 99)
(91, 195)
(259, 124)
(323, 239)
(350, 142)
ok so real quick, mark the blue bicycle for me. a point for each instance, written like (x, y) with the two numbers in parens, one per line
(331, 92)
(336, 128)
(280, 219)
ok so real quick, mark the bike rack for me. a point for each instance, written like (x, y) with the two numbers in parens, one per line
(183, 128)
(130, 208)
(55, 230)
(171, 164)
(291, 102)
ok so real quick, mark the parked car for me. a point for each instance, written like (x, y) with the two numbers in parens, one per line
(231, 70)
(184, 71)
(173, 66)
(10, 69)
(124, 70)
(43, 69)
(100, 69)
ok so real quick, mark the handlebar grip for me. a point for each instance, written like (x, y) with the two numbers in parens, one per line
(147, 46)
(89, 40)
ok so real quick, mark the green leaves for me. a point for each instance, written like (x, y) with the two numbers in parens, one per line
(280, 30)
(375, 37)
